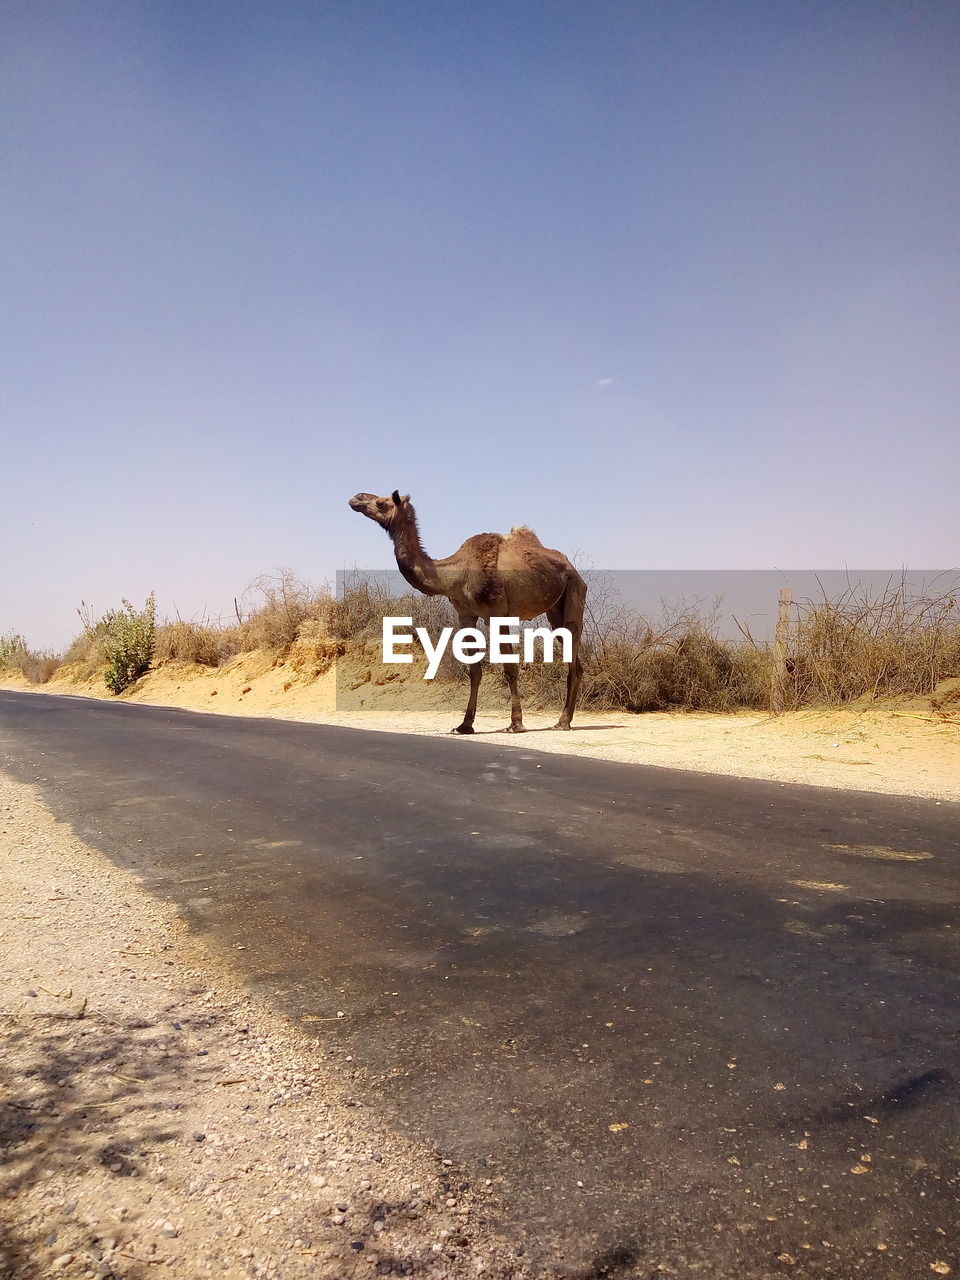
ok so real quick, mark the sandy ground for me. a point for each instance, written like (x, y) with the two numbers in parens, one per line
(902, 748)
(156, 1120)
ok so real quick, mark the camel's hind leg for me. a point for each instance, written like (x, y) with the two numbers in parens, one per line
(568, 612)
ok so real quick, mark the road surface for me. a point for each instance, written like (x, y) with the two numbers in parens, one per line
(686, 1024)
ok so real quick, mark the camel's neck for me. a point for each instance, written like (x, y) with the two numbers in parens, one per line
(412, 561)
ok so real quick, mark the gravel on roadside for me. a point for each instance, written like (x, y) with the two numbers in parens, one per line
(156, 1119)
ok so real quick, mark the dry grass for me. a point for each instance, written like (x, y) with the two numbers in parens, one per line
(277, 615)
(86, 654)
(858, 643)
(37, 665)
(364, 603)
(200, 642)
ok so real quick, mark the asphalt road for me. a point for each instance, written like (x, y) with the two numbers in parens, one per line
(688, 1025)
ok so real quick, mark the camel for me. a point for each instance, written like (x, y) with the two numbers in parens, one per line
(492, 575)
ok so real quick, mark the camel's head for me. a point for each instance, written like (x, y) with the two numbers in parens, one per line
(385, 511)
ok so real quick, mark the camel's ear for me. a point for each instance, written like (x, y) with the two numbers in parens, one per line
(396, 497)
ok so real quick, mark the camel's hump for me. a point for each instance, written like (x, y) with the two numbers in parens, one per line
(481, 550)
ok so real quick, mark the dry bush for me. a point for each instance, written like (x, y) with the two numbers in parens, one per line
(679, 661)
(751, 676)
(37, 665)
(360, 608)
(87, 652)
(894, 642)
(363, 603)
(285, 604)
(204, 643)
(40, 667)
(283, 616)
(82, 651)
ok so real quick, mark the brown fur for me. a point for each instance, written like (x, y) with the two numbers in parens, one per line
(490, 575)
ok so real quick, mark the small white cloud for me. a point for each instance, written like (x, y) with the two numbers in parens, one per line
(604, 382)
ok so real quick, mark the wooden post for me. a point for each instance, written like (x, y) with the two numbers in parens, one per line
(781, 634)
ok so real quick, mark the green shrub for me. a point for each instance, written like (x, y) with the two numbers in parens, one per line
(127, 638)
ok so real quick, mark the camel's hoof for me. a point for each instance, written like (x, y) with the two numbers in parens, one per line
(463, 728)
(561, 725)
(514, 728)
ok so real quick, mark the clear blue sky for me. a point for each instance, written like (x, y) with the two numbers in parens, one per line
(674, 283)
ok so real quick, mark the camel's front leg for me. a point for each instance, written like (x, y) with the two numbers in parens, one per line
(511, 675)
(475, 672)
(466, 725)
